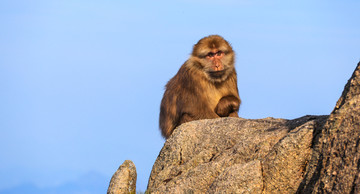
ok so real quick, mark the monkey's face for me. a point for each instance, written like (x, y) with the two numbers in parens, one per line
(215, 57)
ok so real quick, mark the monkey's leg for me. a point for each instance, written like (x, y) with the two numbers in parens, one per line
(185, 117)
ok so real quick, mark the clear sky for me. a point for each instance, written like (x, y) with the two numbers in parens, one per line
(81, 80)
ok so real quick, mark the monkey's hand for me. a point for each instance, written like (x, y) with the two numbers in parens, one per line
(228, 106)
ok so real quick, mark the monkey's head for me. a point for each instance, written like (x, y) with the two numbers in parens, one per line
(214, 57)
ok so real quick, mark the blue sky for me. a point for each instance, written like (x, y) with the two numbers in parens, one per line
(81, 81)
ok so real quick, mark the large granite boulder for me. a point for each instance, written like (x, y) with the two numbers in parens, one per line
(311, 154)
(234, 155)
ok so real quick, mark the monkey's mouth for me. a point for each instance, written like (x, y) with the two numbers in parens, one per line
(217, 74)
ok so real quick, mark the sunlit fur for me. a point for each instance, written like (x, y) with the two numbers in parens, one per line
(200, 91)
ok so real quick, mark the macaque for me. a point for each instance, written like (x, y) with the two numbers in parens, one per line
(205, 86)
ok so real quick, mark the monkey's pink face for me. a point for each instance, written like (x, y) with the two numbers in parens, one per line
(214, 58)
(217, 64)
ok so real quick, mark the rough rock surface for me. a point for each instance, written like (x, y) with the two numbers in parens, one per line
(124, 179)
(312, 154)
(335, 163)
(235, 155)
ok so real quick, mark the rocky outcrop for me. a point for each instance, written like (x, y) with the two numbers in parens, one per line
(335, 163)
(124, 179)
(311, 154)
(234, 155)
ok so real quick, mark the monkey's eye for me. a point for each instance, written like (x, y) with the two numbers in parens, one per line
(210, 54)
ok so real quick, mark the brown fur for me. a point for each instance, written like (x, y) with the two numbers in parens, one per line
(204, 87)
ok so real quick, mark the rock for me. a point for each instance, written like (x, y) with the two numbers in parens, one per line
(335, 163)
(245, 178)
(124, 179)
(284, 166)
(234, 155)
(312, 154)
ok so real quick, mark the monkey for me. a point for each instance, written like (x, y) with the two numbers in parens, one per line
(205, 87)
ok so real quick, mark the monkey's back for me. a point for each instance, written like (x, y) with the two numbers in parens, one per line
(180, 93)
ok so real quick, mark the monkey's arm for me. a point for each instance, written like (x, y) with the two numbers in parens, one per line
(228, 106)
